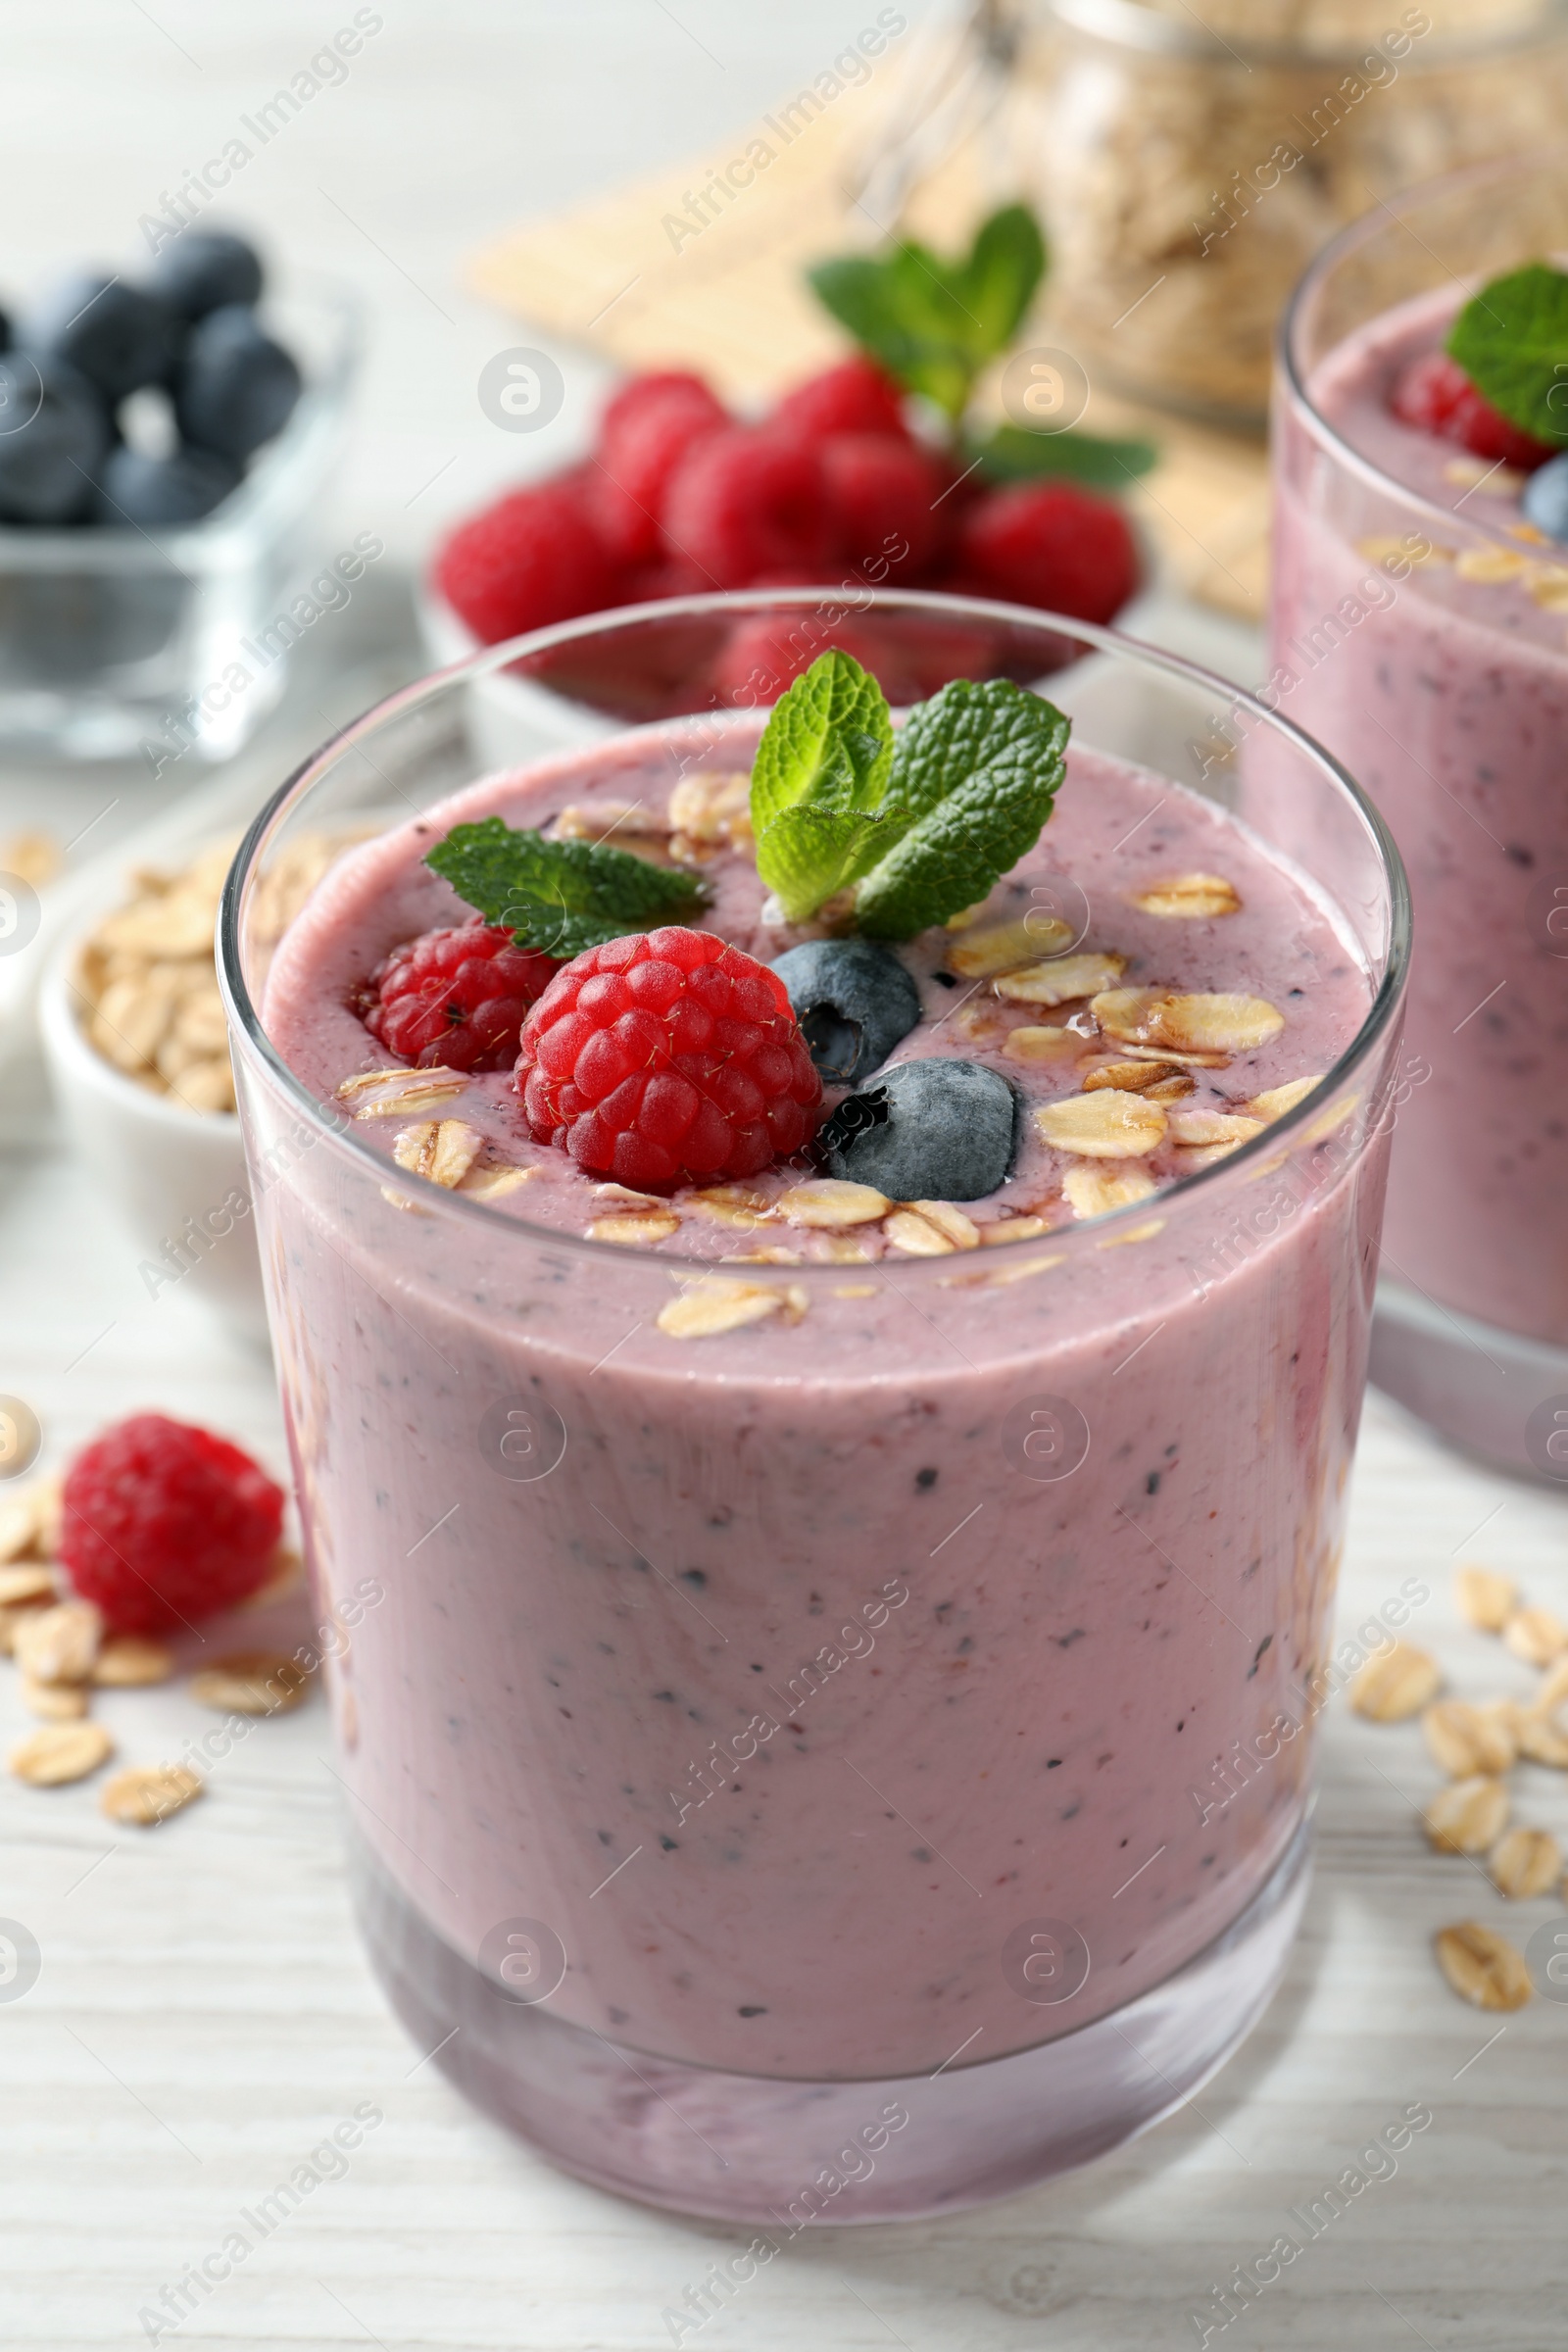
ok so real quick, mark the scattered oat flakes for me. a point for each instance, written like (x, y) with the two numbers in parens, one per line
(1190, 898)
(59, 1644)
(825, 1200)
(1486, 1601)
(707, 810)
(621, 1196)
(1042, 1045)
(388, 1094)
(61, 1752)
(1188, 1024)
(1398, 1682)
(1002, 947)
(1215, 1132)
(495, 1182)
(1276, 1100)
(630, 1231)
(1482, 1966)
(1490, 566)
(1092, 1190)
(1525, 1862)
(1137, 1078)
(1104, 1125)
(1024, 1269)
(1466, 1741)
(1468, 1816)
(252, 1682)
(55, 1702)
(1011, 1229)
(1061, 982)
(1541, 1740)
(1134, 1234)
(734, 1205)
(34, 858)
(34, 1581)
(144, 1794)
(126, 1662)
(711, 1306)
(441, 1150)
(1536, 1636)
(627, 820)
(1553, 1688)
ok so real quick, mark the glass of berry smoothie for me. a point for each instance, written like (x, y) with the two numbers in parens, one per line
(818, 1253)
(1420, 630)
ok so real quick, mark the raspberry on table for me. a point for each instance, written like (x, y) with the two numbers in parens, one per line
(667, 1057)
(746, 502)
(1048, 544)
(855, 397)
(1435, 396)
(456, 999)
(163, 1524)
(532, 558)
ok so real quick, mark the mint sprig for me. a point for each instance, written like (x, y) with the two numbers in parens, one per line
(934, 325)
(1014, 452)
(560, 897)
(922, 824)
(1511, 339)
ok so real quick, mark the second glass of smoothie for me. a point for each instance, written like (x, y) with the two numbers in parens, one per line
(1420, 630)
(834, 1741)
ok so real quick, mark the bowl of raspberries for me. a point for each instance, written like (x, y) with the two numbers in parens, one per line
(836, 489)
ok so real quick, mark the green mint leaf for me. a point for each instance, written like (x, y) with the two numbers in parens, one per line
(934, 325)
(1511, 339)
(979, 767)
(561, 897)
(1014, 454)
(819, 784)
(997, 282)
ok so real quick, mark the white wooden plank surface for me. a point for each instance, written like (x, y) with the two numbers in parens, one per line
(204, 2017)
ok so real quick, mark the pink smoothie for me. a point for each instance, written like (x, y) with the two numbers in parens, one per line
(825, 1654)
(1443, 688)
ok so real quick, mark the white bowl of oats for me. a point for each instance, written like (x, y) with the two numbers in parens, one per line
(136, 1044)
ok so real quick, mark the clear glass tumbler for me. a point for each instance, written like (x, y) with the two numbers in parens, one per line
(1422, 636)
(859, 1764)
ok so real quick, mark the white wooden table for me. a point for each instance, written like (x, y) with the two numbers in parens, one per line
(204, 2018)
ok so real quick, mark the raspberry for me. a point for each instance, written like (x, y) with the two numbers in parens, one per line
(1048, 544)
(667, 1057)
(745, 502)
(647, 431)
(882, 496)
(1435, 395)
(532, 558)
(456, 999)
(763, 655)
(856, 397)
(165, 1524)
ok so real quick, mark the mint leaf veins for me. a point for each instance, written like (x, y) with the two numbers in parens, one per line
(560, 897)
(920, 824)
(1511, 339)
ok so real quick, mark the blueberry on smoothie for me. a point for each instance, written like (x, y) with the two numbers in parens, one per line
(854, 1003)
(1546, 498)
(204, 268)
(116, 335)
(926, 1131)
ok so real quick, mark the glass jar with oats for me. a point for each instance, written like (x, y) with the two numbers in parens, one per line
(1190, 162)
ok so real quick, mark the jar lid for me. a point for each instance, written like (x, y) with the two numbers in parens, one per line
(1291, 31)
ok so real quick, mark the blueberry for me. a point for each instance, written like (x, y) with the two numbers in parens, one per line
(202, 269)
(235, 387)
(926, 1131)
(1546, 498)
(115, 335)
(53, 432)
(135, 488)
(854, 1003)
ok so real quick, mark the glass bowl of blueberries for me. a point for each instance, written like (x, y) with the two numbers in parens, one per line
(165, 445)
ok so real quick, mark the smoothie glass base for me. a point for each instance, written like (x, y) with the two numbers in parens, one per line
(755, 2149)
(1488, 1391)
